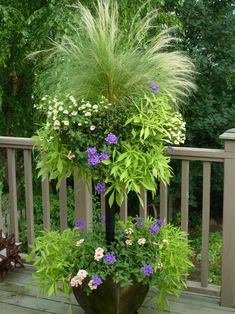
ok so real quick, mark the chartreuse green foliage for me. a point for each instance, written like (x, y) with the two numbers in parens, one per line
(151, 252)
(98, 58)
(140, 159)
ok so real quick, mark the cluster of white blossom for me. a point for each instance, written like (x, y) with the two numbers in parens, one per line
(62, 114)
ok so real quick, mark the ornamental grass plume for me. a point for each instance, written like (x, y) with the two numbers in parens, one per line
(98, 58)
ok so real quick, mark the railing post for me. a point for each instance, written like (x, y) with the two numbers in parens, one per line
(228, 257)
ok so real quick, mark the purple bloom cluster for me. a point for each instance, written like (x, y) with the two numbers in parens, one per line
(100, 187)
(96, 280)
(122, 233)
(111, 138)
(160, 222)
(94, 158)
(102, 219)
(139, 222)
(104, 156)
(147, 269)
(153, 229)
(154, 87)
(80, 224)
(110, 258)
(171, 149)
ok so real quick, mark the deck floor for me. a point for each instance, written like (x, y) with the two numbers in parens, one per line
(18, 296)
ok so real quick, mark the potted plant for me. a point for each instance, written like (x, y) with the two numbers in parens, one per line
(113, 278)
(111, 101)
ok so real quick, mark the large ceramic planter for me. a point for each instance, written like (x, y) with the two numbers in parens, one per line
(110, 298)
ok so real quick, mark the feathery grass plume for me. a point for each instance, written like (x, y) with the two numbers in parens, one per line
(100, 59)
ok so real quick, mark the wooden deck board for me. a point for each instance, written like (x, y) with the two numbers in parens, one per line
(18, 295)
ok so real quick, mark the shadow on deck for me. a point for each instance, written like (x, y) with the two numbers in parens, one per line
(17, 296)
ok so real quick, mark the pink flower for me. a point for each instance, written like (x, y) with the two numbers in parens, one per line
(91, 285)
(99, 253)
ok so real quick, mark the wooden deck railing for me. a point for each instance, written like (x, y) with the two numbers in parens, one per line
(83, 203)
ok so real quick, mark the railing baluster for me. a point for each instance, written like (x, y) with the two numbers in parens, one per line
(46, 204)
(63, 204)
(143, 209)
(163, 200)
(11, 159)
(124, 209)
(102, 204)
(83, 199)
(29, 195)
(184, 195)
(205, 221)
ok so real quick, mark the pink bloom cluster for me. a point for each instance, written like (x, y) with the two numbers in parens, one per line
(99, 254)
(78, 279)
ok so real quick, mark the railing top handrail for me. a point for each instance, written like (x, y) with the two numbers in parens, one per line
(186, 153)
(16, 142)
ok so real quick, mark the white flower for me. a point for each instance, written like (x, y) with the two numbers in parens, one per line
(43, 98)
(57, 123)
(79, 242)
(74, 113)
(165, 241)
(65, 112)
(82, 107)
(79, 124)
(54, 118)
(66, 122)
(73, 100)
(55, 112)
(71, 155)
(92, 128)
(109, 104)
(61, 108)
(129, 231)
(129, 242)
(87, 114)
(88, 105)
(141, 241)
(99, 253)
(159, 265)
(95, 107)
(91, 285)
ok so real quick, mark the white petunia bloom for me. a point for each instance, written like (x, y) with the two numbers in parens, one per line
(129, 242)
(87, 114)
(65, 112)
(66, 122)
(95, 107)
(141, 241)
(61, 108)
(92, 128)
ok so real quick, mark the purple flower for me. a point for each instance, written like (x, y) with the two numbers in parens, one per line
(147, 269)
(100, 187)
(104, 156)
(154, 87)
(102, 219)
(153, 229)
(160, 222)
(139, 222)
(80, 224)
(110, 258)
(111, 138)
(91, 151)
(96, 280)
(171, 149)
(93, 160)
(122, 233)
